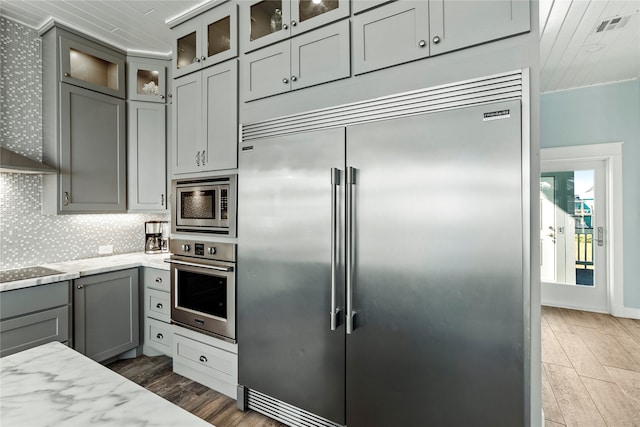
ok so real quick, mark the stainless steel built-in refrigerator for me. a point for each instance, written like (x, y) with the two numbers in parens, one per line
(407, 232)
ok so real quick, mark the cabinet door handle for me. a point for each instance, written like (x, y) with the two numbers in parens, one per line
(160, 336)
(204, 58)
(294, 78)
(436, 40)
(80, 286)
(203, 359)
(422, 43)
(67, 75)
(198, 158)
(197, 59)
(285, 80)
(202, 157)
(159, 305)
(285, 27)
(294, 23)
(67, 198)
(162, 200)
(158, 279)
(161, 96)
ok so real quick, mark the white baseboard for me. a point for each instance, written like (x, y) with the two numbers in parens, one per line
(629, 312)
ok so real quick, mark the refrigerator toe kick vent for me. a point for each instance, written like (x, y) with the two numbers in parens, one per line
(285, 413)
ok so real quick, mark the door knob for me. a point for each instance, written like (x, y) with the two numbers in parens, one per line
(285, 80)
(422, 43)
(436, 40)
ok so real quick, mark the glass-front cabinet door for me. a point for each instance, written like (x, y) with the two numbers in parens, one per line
(269, 21)
(206, 40)
(91, 67)
(147, 81)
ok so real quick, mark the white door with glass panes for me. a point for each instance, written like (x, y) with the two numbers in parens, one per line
(573, 237)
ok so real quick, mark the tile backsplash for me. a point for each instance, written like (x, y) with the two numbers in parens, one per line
(27, 237)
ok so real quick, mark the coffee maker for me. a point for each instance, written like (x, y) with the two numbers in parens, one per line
(156, 237)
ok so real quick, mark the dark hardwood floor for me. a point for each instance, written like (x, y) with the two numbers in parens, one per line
(156, 375)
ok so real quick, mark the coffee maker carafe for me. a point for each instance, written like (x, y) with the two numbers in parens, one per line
(156, 237)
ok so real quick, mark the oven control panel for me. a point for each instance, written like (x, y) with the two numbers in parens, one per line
(203, 250)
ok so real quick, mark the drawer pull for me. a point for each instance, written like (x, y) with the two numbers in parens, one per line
(159, 305)
(203, 359)
(159, 279)
(160, 336)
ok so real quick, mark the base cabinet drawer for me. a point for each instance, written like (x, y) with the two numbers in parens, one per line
(158, 305)
(32, 330)
(155, 278)
(158, 336)
(206, 364)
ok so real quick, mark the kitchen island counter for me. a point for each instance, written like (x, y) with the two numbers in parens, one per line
(70, 270)
(53, 385)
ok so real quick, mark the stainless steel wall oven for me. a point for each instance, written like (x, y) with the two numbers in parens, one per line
(204, 205)
(203, 287)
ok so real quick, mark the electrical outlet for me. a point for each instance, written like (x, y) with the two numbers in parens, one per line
(105, 250)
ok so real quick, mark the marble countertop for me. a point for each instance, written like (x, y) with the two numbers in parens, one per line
(86, 267)
(53, 385)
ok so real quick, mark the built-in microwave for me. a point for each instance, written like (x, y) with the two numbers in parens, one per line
(204, 205)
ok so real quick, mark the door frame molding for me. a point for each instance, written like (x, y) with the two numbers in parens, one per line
(611, 154)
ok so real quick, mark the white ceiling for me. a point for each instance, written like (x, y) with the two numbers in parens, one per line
(572, 53)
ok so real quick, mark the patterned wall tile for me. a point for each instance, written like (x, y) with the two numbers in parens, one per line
(27, 237)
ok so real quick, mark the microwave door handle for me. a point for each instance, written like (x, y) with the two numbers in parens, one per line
(193, 264)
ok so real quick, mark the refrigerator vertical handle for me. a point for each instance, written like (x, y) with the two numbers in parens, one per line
(351, 313)
(335, 318)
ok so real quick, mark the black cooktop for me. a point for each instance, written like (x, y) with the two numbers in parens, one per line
(26, 273)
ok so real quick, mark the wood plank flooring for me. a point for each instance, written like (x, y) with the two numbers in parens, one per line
(156, 375)
(590, 376)
(590, 369)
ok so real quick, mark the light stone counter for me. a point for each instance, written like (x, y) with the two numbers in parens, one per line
(86, 267)
(53, 385)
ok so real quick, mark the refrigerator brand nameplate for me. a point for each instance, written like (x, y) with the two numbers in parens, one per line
(496, 115)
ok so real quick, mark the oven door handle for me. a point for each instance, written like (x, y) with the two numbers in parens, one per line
(193, 264)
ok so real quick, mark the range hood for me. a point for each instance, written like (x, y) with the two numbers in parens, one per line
(17, 163)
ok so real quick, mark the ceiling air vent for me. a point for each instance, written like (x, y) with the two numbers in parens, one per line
(612, 23)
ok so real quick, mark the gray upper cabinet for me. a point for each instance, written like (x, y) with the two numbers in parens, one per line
(390, 35)
(458, 24)
(205, 117)
(146, 157)
(359, 6)
(84, 125)
(92, 152)
(147, 81)
(206, 40)
(89, 65)
(264, 22)
(316, 57)
(106, 314)
(404, 31)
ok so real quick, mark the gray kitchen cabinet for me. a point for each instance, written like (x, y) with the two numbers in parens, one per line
(106, 314)
(458, 24)
(359, 6)
(90, 65)
(206, 40)
(264, 22)
(147, 80)
(404, 31)
(33, 316)
(147, 157)
(205, 120)
(84, 134)
(158, 331)
(319, 56)
(390, 35)
(207, 360)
